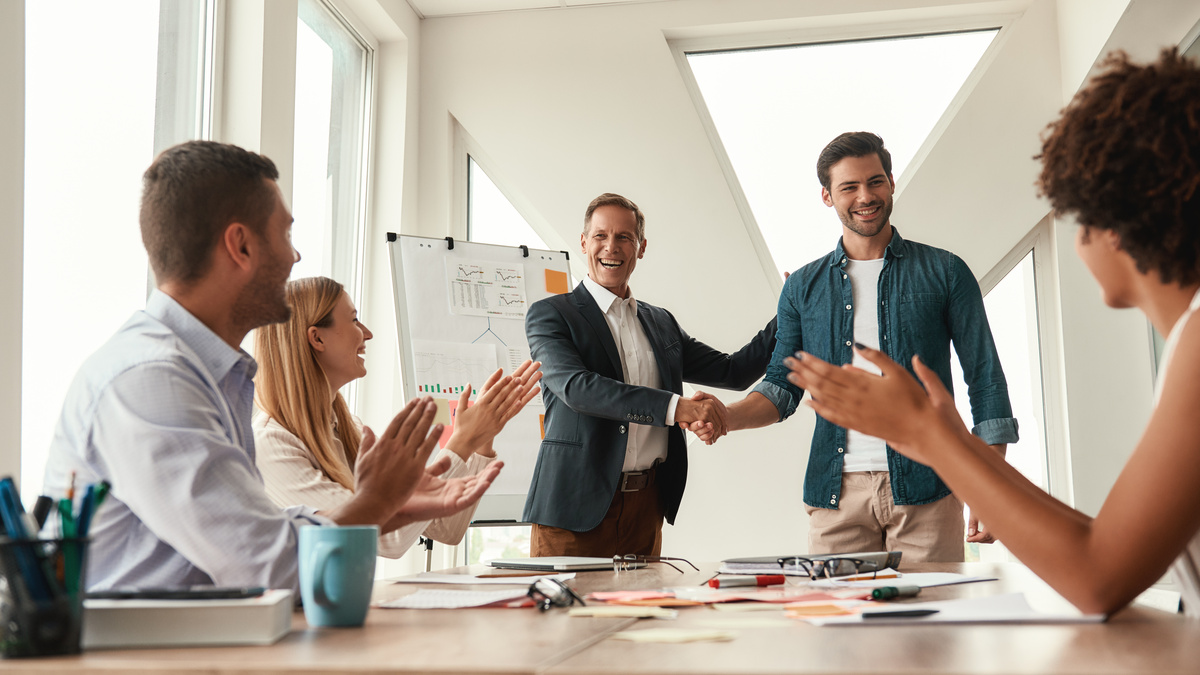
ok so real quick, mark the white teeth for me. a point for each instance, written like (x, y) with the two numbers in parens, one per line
(866, 212)
(611, 263)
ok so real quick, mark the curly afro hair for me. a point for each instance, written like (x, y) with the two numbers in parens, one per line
(1125, 156)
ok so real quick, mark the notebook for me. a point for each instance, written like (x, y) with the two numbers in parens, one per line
(559, 563)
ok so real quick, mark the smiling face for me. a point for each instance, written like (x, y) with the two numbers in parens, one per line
(340, 346)
(861, 193)
(611, 247)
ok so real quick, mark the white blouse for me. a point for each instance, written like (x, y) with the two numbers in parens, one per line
(1187, 566)
(292, 476)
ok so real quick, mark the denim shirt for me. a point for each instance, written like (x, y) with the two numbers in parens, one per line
(928, 298)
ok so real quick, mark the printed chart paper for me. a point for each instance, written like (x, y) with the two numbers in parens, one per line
(479, 288)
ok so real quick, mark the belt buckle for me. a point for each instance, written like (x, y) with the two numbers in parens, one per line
(625, 480)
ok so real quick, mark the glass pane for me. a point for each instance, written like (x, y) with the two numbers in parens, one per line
(491, 543)
(92, 126)
(491, 218)
(775, 109)
(332, 68)
(1012, 313)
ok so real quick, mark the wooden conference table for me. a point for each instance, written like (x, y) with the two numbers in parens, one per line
(513, 641)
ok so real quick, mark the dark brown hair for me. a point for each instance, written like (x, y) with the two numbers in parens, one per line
(191, 193)
(611, 199)
(852, 144)
(1125, 156)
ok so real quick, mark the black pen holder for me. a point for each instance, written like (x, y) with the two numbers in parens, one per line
(41, 596)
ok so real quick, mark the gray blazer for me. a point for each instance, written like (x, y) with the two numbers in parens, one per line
(589, 406)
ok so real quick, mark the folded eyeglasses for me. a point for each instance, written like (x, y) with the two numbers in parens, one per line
(631, 562)
(547, 593)
(828, 568)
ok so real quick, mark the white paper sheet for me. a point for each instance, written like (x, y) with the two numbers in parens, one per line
(481, 288)
(1009, 608)
(922, 579)
(451, 599)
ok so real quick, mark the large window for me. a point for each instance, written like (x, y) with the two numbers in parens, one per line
(98, 108)
(333, 75)
(775, 109)
(1012, 312)
(491, 218)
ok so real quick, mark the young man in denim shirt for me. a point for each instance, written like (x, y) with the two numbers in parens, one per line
(861, 495)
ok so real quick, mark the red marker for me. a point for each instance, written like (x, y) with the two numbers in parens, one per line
(761, 580)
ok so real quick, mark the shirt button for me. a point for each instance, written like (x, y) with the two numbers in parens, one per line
(833, 499)
(843, 260)
(621, 428)
(843, 276)
(841, 449)
(849, 343)
(847, 306)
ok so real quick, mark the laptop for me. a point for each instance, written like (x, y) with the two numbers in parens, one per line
(558, 563)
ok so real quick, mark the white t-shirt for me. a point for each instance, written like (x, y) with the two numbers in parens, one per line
(1187, 566)
(863, 452)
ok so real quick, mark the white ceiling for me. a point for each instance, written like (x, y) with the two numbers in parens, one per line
(433, 8)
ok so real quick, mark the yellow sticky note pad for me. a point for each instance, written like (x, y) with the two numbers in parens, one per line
(556, 282)
(443, 411)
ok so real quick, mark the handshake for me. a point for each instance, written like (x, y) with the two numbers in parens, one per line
(704, 415)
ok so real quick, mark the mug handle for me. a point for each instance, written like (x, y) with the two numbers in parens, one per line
(319, 558)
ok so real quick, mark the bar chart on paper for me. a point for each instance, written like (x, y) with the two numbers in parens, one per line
(445, 368)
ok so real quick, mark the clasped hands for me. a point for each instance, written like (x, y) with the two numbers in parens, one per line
(704, 415)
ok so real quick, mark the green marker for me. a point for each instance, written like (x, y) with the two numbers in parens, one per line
(888, 592)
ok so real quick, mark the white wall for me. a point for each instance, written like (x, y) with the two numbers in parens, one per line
(571, 103)
(12, 216)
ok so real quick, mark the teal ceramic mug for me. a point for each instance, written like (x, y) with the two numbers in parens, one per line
(337, 571)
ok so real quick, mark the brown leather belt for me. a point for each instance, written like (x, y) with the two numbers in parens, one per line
(632, 481)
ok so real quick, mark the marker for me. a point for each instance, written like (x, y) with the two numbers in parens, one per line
(760, 580)
(901, 613)
(888, 592)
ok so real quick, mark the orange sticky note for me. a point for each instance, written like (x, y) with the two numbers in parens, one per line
(542, 425)
(556, 282)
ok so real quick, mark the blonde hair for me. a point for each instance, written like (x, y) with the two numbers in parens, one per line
(291, 387)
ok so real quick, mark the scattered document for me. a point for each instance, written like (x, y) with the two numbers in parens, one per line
(675, 635)
(523, 580)
(452, 599)
(1009, 608)
(624, 612)
(922, 579)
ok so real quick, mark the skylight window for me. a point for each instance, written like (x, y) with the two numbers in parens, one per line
(775, 109)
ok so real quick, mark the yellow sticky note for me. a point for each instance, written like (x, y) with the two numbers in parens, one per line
(556, 282)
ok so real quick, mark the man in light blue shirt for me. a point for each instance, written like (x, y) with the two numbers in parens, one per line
(162, 410)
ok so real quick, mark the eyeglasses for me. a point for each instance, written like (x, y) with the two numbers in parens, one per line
(632, 562)
(547, 593)
(828, 567)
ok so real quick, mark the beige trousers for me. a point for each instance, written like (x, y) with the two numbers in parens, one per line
(868, 520)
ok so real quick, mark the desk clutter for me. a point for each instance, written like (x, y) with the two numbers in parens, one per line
(837, 590)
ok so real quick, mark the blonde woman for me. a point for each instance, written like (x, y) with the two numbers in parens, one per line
(306, 440)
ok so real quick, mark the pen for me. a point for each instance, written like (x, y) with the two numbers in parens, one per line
(760, 580)
(887, 614)
(887, 592)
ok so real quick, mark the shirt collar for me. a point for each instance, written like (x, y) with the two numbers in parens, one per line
(216, 355)
(605, 298)
(895, 249)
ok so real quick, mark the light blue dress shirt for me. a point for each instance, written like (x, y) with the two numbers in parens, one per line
(162, 412)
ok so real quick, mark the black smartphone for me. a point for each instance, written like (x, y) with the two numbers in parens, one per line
(190, 593)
